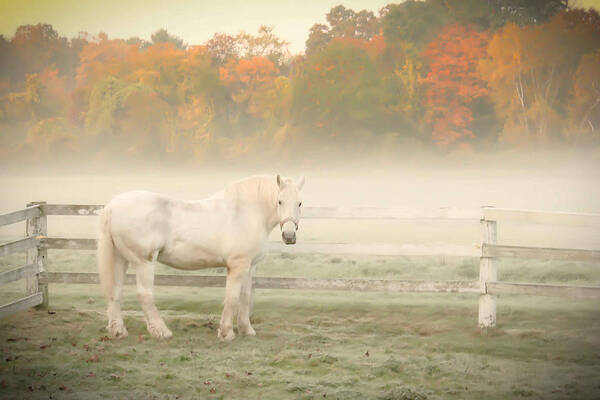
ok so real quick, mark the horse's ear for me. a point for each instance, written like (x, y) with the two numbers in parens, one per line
(300, 183)
(279, 181)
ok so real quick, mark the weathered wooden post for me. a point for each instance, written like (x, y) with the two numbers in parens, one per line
(37, 226)
(487, 273)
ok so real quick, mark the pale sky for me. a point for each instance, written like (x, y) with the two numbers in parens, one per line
(194, 21)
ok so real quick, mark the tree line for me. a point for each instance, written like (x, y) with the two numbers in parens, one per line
(445, 74)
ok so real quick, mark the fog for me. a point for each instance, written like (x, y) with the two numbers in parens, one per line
(551, 181)
(422, 108)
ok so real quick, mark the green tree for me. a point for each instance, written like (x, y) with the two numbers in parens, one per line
(494, 14)
(128, 118)
(343, 23)
(39, 46)
(412, 22)
(584, 100)
(523, 12)
(339, 90)
(318, 38)
(162, 36)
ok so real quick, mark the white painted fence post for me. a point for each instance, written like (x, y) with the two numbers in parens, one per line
(37, 226)
(487, 273)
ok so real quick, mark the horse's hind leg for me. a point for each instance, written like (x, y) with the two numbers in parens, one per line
(145, 282)
(116, 327)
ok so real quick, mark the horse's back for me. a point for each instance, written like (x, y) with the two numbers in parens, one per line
(147, 207)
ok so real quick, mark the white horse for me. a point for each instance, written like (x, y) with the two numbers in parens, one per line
(229, 229)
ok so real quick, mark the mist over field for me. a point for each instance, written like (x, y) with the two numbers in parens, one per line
(425, 108)
(419, 184)
(416, 105)
(316, 343)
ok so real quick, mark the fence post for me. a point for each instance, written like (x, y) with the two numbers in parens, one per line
(487, 273)
(37, 226)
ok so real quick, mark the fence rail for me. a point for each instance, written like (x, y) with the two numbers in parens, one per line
(25, 303)
(21, 215)
(451, 213)
(310, 212)
(534, 289)
(18, 273)
(544, 253)
(18, 246)
(384, 249)
(490, 250)
(540, 217)
(362, 285)
(37, 243)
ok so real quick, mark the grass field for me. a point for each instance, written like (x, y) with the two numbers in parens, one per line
(309, 345)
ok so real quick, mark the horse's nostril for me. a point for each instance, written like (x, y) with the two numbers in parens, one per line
(288, 237)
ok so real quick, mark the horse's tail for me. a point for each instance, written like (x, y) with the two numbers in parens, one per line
(106, 253)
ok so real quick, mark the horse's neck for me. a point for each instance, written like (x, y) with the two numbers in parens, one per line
(272, 219)
(265, 200)
(267, 214)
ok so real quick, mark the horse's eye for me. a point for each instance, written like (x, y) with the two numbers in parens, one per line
(300, 204)
(279, 202)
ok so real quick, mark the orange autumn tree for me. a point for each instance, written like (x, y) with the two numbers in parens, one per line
(159, 67)
(203, 100)
(248, 79)
(128, 94)
(98, 59)
(531, 69)
(101, 58)
(251, 84)
(172, 95)
(453, 83)
(54, 94)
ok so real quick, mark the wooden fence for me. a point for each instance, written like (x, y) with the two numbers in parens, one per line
(36, 243)
(490, 250)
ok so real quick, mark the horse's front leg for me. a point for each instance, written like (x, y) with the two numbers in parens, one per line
(145, 282)
(237, 273)
(246, 304)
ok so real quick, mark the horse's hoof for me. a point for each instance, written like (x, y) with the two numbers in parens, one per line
(160, 334)
(166, 335)
(159, 331)
(117, 330)
(249, 331)
(227, 337)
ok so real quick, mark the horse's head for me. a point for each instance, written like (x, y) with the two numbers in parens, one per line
(288, 207)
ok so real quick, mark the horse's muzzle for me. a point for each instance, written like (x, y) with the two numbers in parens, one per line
(289, 237)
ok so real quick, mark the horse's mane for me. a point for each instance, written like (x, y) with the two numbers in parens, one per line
(255, 188)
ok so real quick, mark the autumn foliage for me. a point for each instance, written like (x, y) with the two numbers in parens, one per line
(453, 83)
(447, 75)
